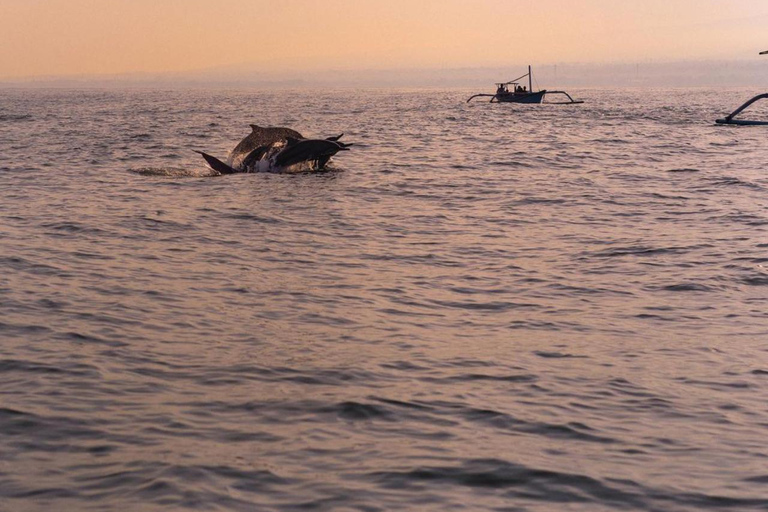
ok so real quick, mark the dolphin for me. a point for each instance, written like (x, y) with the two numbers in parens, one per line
(258, 137)
(277, 150)
(314, 153)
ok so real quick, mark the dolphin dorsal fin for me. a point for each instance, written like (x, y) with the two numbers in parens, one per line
(255, 127)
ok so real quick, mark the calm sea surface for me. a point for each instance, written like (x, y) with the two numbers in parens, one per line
(484, 307)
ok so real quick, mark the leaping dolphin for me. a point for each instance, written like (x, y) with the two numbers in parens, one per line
(277, 150)
(259, 137)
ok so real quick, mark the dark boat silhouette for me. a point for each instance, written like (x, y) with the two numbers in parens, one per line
(513, 92)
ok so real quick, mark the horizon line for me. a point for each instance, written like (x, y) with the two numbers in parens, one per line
(252, 69)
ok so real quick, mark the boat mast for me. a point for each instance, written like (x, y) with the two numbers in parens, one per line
(530, 79)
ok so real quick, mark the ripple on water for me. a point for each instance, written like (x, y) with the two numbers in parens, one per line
(533, 318)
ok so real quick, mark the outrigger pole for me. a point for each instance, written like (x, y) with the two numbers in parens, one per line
(571, 102)
(729, 119)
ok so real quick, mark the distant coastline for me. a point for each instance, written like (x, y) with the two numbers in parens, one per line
(746, 73)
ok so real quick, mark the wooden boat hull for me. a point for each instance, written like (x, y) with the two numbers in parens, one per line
(512, 92)
(520, 97)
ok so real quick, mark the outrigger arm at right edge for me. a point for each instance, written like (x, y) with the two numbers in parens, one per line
(729, 119)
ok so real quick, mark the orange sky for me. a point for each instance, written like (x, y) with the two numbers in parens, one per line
(75, 37)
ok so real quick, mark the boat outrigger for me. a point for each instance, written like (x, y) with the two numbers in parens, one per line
(513, 92)
(729, 119)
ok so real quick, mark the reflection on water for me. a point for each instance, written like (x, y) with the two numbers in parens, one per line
(485, 306)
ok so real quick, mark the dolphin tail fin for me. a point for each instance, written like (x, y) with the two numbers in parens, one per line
(216, 164)
(336, 138)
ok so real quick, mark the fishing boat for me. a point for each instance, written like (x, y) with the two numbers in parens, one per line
(513, 92)
(730, 118)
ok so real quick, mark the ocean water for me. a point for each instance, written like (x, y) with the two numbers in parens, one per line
(481, 307)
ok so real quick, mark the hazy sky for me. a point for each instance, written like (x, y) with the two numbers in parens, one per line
(69, 37)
